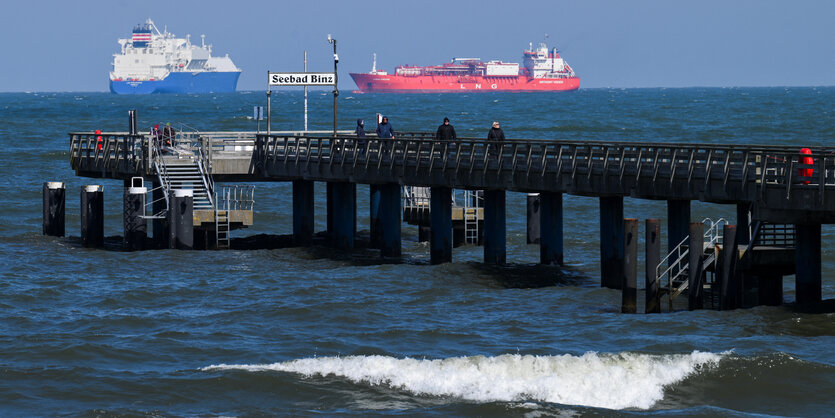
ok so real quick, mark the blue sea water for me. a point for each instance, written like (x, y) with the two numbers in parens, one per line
(313, 331)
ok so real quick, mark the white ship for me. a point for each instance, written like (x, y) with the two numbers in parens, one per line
(157, 62)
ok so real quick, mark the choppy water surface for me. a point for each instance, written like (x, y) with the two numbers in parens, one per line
(308, 331)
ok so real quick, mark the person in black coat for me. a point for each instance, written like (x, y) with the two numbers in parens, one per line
(360, 131)
(445, 132)
(496, 134)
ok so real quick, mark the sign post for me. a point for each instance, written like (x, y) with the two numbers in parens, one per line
(258, 116)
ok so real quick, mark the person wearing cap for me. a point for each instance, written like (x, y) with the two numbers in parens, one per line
(445, 132)
(495, 135)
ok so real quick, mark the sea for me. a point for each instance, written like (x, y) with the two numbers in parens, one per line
(321, 332)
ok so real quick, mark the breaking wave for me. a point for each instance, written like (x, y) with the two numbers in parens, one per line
(614, 381)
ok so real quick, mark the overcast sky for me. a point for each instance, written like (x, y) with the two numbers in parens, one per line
(68, 45)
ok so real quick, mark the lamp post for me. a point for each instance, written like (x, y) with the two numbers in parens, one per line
(335, 80)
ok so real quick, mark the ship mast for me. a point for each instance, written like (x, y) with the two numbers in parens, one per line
(374, 64)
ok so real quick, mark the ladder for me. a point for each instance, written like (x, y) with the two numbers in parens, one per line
(675, 267)
(471, 207)
(222, 229)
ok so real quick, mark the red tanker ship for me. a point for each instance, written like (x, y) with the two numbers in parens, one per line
(543, 70)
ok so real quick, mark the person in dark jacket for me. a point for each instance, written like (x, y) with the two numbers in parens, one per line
(496, 134)
(360, 128)
(445, 132)
(384, 129)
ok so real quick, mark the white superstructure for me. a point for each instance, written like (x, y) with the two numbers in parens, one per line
(542, 63)
(152, 55)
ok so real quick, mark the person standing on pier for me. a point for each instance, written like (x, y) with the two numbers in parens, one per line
(360, 131)
(495, 135)
(168, 135)
(445, 132)
(385, 131)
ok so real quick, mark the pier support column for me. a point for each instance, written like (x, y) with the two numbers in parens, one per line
(534, 221)
(495, 246)
(678, 222)
(160, 226)
(440, 213)
(390, 220)
(329, 209)
(808, 266)
(743, 223)
(181, 219)
(550, 228)
(92, 216)
(730, 282)
(343, 206)
(136, 226)
(653, 258)
(611, 241)
(695, 291)
(54, 208)
(374, 196)
(629, 281)
(770, 289)
(303, 212)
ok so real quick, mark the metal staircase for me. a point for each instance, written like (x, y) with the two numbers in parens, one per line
(471, 205)
(674, 269)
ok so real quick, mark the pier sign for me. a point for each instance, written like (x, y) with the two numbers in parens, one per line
(301, 79)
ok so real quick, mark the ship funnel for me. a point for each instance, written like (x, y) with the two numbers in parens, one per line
(374, 64)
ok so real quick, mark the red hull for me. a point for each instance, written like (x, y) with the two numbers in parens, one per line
(378, 83)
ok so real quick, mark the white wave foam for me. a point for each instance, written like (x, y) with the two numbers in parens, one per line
(614, 381)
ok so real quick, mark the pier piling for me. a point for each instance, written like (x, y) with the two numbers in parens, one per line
(342, 203)
(54, 208)
(695, 278)
(653, 258)
(303, 212)
(730, 281)
(743, 223)
(440, 213)
(495, 245)
(181, 219)
(629, 283)
(136, 227)
(92, 216)
(390, 220)
(611, 241)
(808, 261)
(374, 196)
(533, 211)
(770, 289)
(551, 229)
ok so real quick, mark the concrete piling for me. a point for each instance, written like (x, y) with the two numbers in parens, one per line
(551, 229)
(730, 282)
(374, 196)
(611, 241)
(329, 209)
(808, 264)
(136, 226)
(495, 245)
(629, 280)
(695, 279)
(303, 212)
(440, 212)
(533, 211)
(92, 216)
(343, 219)
(743, 223)
(390, 220)
(181, 219)
(653, 258)
(54, 208)
(770, 289)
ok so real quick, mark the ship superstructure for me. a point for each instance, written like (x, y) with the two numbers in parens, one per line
(542, 70)
(154, 61)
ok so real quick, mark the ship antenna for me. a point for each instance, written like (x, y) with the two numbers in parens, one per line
(203, 40)
(374, 64)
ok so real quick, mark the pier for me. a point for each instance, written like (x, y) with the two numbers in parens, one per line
(782, 198)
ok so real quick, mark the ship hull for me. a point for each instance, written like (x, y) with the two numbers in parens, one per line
(181, 82)
(376, 83)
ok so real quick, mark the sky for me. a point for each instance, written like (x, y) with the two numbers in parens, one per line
(68, 45)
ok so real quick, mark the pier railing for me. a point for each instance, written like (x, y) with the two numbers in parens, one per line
(778, 176)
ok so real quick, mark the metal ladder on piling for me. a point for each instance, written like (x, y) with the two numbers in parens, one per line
(675, 267)
(222, 224)
(471, 206)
